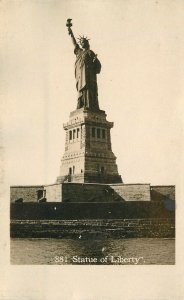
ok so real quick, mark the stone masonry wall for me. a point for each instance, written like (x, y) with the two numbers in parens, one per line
(53, 192)
(92, 192)
(73, 192)
(75, 211)
(161, 192)
(27, 193)
(131, 192)
(93, 228)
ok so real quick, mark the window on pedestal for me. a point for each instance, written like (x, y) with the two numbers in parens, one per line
(102, 170)
(78, 132)
(74, 132)
(98, 133)
(103, 133)
(93, 132)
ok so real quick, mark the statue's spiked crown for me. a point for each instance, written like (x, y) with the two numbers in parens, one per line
(83, 39)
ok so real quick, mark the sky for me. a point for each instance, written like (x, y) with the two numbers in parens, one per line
(140, 45)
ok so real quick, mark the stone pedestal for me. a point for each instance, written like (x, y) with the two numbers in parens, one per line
(88, 155)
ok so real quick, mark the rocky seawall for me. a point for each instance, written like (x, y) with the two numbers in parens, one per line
(84, 220)
(83, 229)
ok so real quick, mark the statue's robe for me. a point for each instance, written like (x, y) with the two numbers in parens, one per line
(86, 68)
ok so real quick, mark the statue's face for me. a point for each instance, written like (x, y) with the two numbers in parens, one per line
(84, 44)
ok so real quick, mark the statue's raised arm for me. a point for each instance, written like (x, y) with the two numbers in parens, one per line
(87, 66)
(70, 32)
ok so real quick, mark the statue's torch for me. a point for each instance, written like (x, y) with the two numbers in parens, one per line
(69, 25)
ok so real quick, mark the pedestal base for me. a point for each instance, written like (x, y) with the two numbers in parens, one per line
(88, 155)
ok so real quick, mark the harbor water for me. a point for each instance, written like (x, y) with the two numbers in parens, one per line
(133, 251)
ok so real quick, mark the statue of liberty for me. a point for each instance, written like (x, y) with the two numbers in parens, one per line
(87, 66)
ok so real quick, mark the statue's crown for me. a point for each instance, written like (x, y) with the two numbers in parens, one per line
(83, 38)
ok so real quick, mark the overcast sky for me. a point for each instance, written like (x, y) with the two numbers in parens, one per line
(140, 45)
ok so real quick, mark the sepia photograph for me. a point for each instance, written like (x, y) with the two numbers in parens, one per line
(92, 133)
